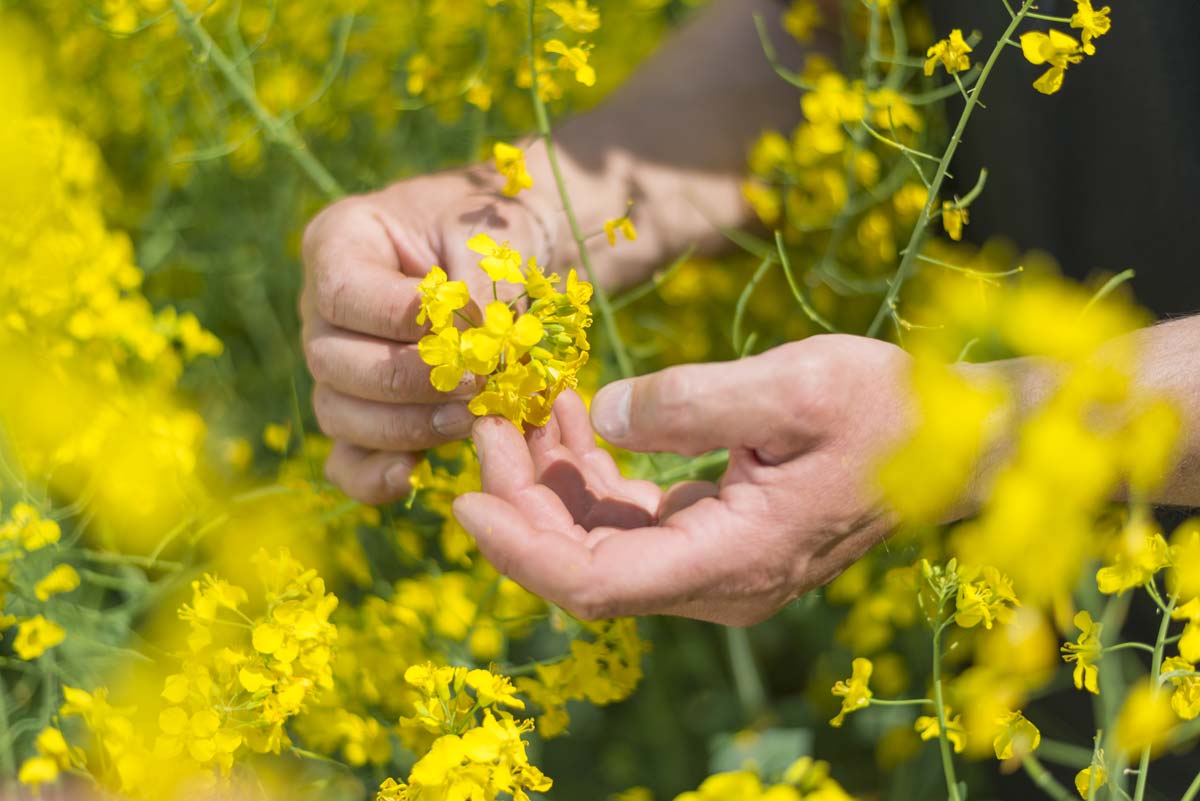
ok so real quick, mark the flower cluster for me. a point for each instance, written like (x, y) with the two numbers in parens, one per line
(1057, 50)
(529, 357)
(480, 751)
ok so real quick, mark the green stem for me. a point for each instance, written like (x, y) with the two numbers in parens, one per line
(543, 124)
(939, 702)
(746, 678)
(1139, 791)
(281, 133)
(1193, 790)
(1141, 646)
(8, 759)
(900, 701)
(909, 259)
(1043, 779)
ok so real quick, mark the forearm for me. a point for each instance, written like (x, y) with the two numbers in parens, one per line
(1167, 359)
(672, 140)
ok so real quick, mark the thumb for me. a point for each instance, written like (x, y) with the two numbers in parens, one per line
(695, 408)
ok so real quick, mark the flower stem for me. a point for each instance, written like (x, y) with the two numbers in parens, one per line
(909, 259)
(943, 739)
(624, 363)
(1193, 790)
(1139, 791)
(281, 133)
(1044, 779)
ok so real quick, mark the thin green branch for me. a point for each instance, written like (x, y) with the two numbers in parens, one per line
(801, 298)
(608, 318)
(1045, 780)
(1139, 791)
(659, 278)
(1106, 290)
(743, 301)
(281, 133)
(914, 244)
(939, 702)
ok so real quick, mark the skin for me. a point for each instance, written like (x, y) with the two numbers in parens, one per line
(804, 423)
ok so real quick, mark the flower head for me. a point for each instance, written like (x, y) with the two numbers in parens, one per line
(510, 162)
(1085, 653)
(1092, 23)
(440, 298)
(573, 59)
(929, 728)
(499, 261)
(854, 692)
(1054, 48)
(951, 52)
(1016, 736)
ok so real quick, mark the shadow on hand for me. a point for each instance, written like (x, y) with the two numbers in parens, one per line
(589, 509)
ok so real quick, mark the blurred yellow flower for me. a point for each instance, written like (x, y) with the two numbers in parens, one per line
(62, 578)
(573, 59)
(510, 163)
(1016, 737)
(37, 635)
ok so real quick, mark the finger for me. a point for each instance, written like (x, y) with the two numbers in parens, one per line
(389, 427)
(371, 477)
(375, 369)
(366, 298)
(507, 471)
(760, 402)
(684, 494)
(548, 562)
(578, 436)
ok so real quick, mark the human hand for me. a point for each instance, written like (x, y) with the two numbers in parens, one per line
(804, 424)
(363, 259)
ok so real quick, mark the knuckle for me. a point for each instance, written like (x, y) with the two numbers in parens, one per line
(591, 602)
(392, 379)
(400, 431)
(316, 356)
(322, 409)
(330, 290)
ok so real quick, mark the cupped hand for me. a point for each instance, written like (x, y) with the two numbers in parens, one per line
(804, 423)
(363, 259)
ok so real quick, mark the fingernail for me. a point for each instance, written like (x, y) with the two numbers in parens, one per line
(396, 477)
(610, 410)
(467, 386)
(453, 420)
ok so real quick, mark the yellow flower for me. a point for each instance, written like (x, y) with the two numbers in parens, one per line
(1142, 553)
(802, 19)
(854, 692)
(573, 59)
(443, 351)
(1186, 698)
(510, 162)
(985, 601)
(537, 283)
(928, 727)
(951, 53)
(622, 224)
(953, 220)
(499, 336)
(62, 578)
(1085, 653)
(1145, 720)
(576, 15)
(38, 770)
(499, 261)
(492, 689)
(1091, 23)
(37, 635)
(440, 298)
(511, 394)
(277, 435)
(1183, 577)
(1017, 736)
(26, 525)
(1091, 778)
(1054, 48)
(1189, 642)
